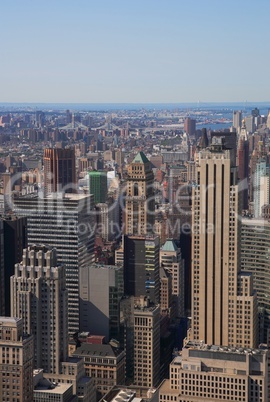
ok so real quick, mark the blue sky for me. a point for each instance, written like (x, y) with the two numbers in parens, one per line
(134, 51)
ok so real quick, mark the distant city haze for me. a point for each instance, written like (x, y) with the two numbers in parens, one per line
(134, 51)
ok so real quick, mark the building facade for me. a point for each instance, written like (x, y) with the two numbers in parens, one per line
(39, 296)
(141, 267)
(59, 170)
(66, 223)
(255, 258)
(16, 361)
(139, 199)
(224, 305)
(146, 344)
(172, 262)
(98, 186)
(101, 289)
(104, 364)
(212, 373)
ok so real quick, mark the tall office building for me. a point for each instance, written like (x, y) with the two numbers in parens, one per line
(16, 361)
(224, 306)
(39, 297)
(141, 267)
(15, 240)
(98, 186)
(59, 170)
(190, 126)
(250, 124)
(261, 193)
(237, 120)
(2, 272)
(65, 222)
(139, 200)
(255, 258)
(243, 163)
(146, 344)
(101, 289)
(172, 262)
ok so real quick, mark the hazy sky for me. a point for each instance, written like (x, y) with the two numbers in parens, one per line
(134, 50)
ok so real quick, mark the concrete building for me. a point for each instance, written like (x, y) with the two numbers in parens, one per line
(44, 390)
(224, 305)
(101, 289)
(16, 361)
(172, 262)
(64, 222)
(139, 200)
(59, 170)
(146, 344)
(39, 296)
(73, 372)
(105, 364)
(213, 373)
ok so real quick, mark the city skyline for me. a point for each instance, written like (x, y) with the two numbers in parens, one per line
(134, 52)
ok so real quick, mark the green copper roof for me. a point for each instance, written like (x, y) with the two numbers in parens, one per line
(169, 246)
(140, 158)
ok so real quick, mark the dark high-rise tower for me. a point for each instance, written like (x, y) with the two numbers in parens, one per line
(59, 170)
(141, 267)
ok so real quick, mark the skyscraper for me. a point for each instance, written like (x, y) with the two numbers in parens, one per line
(2, 272)
(224, 306)
(261, 181)
(101, 288)
(16, 361)
(237, 119)
(65, 222)
(39, 296)
(98, 186)
(59, 170)
(172, 262)
(146, 344)
(190, 126)
(243, 162)
(15, 240)
(141, 267)
(139, 200)
(255, 258)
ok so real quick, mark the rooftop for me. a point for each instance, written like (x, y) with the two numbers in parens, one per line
(58, 389)
(169, 246)
(140, 158)
(214, 348)
(97, 350)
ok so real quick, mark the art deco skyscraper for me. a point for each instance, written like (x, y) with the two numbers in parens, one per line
(224, 307)
(39, 296)
(140, 204)
(59, 170)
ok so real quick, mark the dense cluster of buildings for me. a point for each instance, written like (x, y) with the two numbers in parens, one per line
(134, 261)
